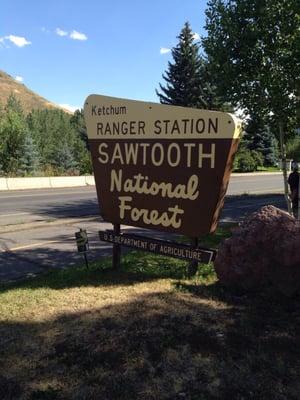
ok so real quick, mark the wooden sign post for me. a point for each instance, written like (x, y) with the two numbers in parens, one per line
(160, 167)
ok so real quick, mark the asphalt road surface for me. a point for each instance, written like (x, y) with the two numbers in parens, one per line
(17, 207)
(30, 251)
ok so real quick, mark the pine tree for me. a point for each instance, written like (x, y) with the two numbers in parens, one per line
(184, 83)
(260, 138)
(64, 158)
(29, 161)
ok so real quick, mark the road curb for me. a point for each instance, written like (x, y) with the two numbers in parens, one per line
(11, 184)
(48, 223)
(255, 173)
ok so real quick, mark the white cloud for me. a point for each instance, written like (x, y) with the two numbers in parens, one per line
(69, 107)
(78, 35)
(19, 41)
(60, 32)
(19, 78)
(196, 36)
(164, 50)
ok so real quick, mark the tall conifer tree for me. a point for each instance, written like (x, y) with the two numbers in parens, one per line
(183, 77)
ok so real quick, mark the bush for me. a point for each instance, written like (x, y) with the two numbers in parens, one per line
(258, 158)
(247, 161)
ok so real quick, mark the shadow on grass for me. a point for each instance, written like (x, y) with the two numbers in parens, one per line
(170, 345)
(135, 267)
(67, 273)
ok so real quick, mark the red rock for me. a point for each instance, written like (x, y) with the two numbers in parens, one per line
(263, 250)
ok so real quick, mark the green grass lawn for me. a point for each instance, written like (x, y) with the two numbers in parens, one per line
(145, 332)
(268, 169)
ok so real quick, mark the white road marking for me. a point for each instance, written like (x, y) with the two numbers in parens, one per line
(13, 215)
(45, 194)
(257, 191)
(28, 246)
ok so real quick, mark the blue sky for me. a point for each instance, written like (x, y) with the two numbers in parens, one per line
(67, 49)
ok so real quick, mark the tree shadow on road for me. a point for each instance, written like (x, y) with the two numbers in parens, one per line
(61, 255)
(75, 208)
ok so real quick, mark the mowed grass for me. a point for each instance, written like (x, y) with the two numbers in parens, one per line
(145, 332)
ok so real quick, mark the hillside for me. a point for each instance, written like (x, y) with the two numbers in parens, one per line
(27, 97)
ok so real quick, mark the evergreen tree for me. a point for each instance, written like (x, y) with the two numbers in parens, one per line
(185, 77)
(260, 138)
(29, 161)
(64, 159)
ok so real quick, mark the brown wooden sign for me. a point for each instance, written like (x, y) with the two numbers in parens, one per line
(163, 247)
(160, 167)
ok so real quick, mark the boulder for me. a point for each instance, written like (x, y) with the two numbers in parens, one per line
(264, 250)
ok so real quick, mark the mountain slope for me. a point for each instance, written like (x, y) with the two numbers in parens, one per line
(28, 99)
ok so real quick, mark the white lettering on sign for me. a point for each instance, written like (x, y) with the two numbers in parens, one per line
(141, 185)
(156, 154)
(165, 127)
(150, 217)
(107, 110)
(155, 161)
(186, 126)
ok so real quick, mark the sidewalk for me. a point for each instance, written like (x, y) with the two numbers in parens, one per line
(74, 181)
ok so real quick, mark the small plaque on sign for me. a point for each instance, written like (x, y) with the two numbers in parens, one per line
(163, 247)
(82, 241)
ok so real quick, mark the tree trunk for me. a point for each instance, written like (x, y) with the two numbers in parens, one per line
(284, 170)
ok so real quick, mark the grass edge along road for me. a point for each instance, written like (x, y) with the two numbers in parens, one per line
(145, 332)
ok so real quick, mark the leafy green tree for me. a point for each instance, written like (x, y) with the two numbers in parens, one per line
(13, 104)
(49, 141)
(293, 149)
(13, 130)
(187, 76)
(56, 139)
(78, 123)
(81, 149)
(254, 50)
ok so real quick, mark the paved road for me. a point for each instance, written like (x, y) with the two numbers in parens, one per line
(31, 251)
(17, 207)
(24, 253)
(47, 204)
(255, 184)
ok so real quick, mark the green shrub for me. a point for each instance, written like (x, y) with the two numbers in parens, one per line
(247, 161)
